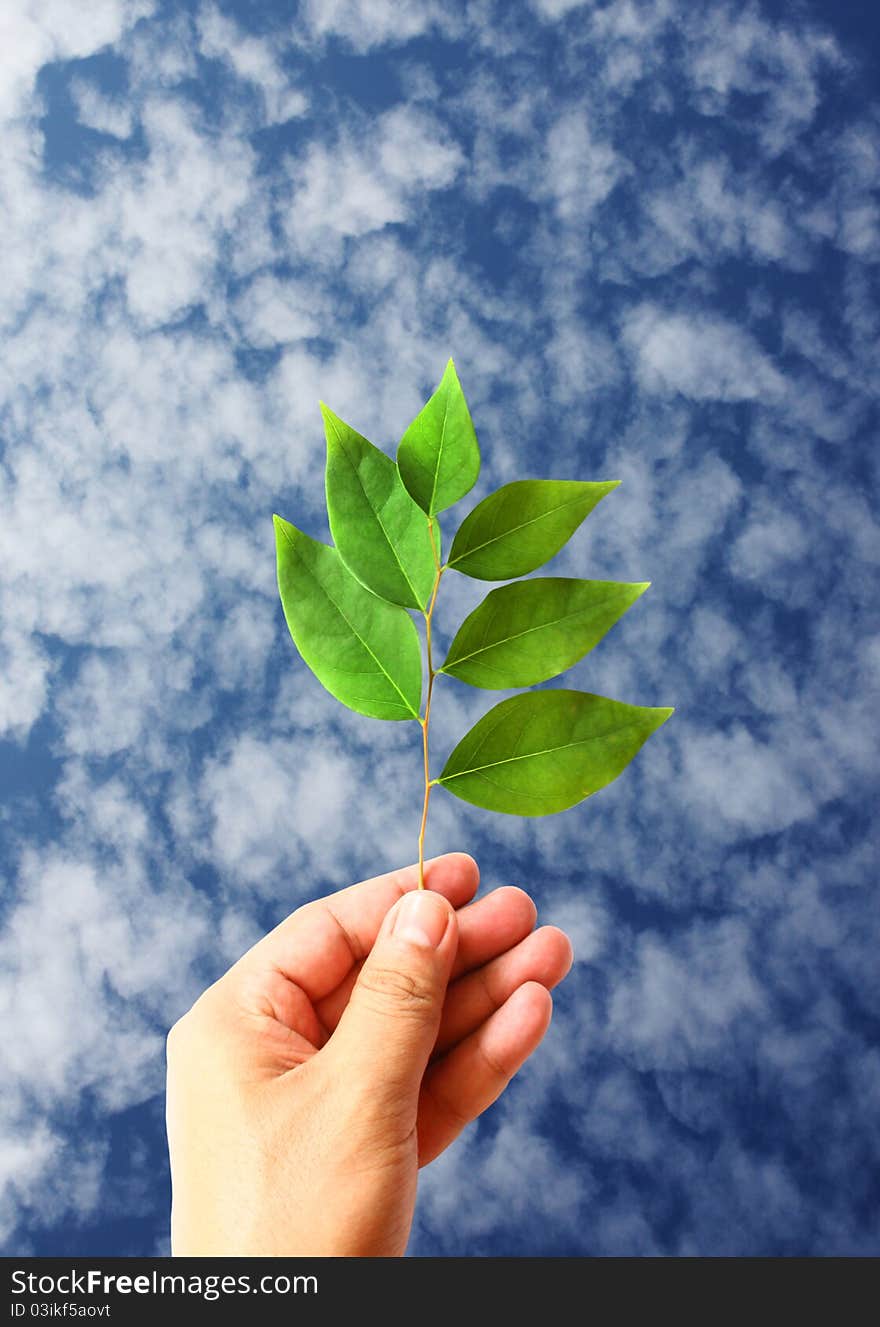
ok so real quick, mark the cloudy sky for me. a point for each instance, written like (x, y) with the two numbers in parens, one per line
(648, 232)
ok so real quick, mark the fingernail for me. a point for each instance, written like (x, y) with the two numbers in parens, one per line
(421, 919)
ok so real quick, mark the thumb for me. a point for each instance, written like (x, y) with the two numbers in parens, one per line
(387, 1032)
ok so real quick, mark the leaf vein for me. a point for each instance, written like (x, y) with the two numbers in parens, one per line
(352, 628)
(439, 452)
(496, 538)
(533, 755)
(375, 512)
(484, 647)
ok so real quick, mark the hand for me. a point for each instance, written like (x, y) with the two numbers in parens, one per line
(347, 1048)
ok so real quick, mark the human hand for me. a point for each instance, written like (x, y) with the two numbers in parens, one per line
(347, 1048)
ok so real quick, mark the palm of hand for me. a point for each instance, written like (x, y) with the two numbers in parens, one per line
(308, 966)
(358, 1115)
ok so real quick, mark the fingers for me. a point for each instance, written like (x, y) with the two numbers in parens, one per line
(385, 1035)
(461, 1085)
(491, 925)
(486, 928)
(455, 875)
(316, 946)
(544, 956)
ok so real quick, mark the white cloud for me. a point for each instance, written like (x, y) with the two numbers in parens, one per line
(771, 688)
(683, 1002)
(90, 971)
(368, 23)
(585, 921)
(771, 536)
(47, 1177)
(362, 184)
(24, 677)
(35, 32)
(255, 61)
(271, 815)
(274, 311)
(701, 355)
(161, 55)
(735, 784)
(742, 52)
(480, 1183)
(579, 171)
(553, 9)
(253, 800)
(110, 707)
(714, 208)
(584, 362)
(27, 1152)
(715, 644)
(615, 1123)
(141, 464)
(107, 115)
(171, 219)
(659, 527)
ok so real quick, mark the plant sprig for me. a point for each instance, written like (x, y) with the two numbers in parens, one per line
(348, 608)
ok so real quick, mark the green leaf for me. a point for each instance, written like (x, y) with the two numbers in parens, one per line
(541, 752)
(529, 631)
(364, 651)
(381, 534)
(438, 456)
(522, 525)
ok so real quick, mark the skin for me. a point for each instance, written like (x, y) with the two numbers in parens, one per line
(342, 1052)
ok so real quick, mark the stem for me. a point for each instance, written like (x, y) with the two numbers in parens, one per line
(426, 718)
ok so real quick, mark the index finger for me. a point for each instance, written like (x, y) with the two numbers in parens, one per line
(316, 946)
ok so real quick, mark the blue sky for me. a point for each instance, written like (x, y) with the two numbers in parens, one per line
(649, 234)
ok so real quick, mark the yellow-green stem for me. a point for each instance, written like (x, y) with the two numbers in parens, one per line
(425, 719)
